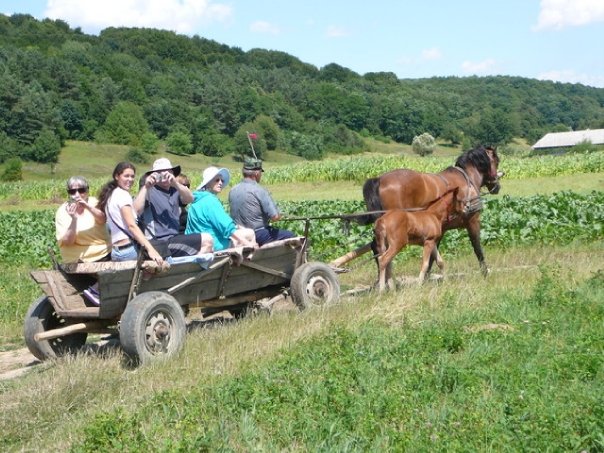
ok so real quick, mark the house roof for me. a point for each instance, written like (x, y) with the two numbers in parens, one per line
(564, 139)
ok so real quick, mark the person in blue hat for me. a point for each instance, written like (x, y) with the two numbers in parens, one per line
(253, 207)
(207, 215)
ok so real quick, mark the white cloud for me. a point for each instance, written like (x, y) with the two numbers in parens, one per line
(481, 67)
(261, 26)
(558, 14)
(334, 31)
(570, 76)
(182, 16)
(432, 54)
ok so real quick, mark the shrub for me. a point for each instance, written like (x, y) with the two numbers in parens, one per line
(137, 156)
(423, 144)
(13, 170)
(179, 142)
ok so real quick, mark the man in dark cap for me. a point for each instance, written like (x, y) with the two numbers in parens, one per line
(253, 207)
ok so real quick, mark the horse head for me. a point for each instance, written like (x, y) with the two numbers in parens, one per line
(491, 179)
(486, 162)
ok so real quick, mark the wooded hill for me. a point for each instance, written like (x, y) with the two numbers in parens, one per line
(138, 86)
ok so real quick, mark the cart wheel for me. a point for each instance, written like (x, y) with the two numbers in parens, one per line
(152, 326)
(314, 283)
(42, 317)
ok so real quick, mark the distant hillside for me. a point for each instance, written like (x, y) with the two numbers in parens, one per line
(138, 86)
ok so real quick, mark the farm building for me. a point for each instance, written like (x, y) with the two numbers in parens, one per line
(567, 139)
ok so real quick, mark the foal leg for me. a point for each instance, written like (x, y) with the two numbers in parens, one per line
(439, 260)
(429, 247)
(433, 257)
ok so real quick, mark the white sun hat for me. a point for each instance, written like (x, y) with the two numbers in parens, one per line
(164, 164)
(211, 172)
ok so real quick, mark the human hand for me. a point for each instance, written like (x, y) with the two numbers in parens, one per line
(71, 208)
(82, 203)
(169, 178)
(155, 256)
(152, 179)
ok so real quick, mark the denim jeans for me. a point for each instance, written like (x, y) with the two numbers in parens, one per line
(127, 254)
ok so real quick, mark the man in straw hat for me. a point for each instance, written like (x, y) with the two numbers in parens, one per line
(158, 204)
(253, 207)
(207, 214)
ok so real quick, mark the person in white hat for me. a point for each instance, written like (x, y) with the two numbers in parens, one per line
(207, 214)
(158, 205)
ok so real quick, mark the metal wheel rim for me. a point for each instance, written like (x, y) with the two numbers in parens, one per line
(318, 288)
(158, 332)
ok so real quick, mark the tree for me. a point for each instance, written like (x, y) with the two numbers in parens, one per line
(493, 128)
(423, 144)
(149, 142)
(46, 148)
(179, 142)
(242, 143)
(125, 125)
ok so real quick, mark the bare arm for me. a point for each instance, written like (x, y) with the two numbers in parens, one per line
(99, 216)
(137, 234)
(69, 236)
(186, 196)
(141, 197)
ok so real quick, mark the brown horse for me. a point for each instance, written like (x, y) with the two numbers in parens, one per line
(408, 189)
(398, 228)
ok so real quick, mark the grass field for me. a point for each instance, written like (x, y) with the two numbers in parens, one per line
(511, 362)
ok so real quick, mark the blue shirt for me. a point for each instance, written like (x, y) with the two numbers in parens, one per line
(207, 215)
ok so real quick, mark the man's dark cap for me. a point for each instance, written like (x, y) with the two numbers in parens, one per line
(251, 163)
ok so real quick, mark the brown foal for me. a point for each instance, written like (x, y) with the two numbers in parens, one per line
(398, 228)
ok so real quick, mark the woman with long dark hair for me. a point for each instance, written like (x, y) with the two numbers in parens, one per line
(115, 200)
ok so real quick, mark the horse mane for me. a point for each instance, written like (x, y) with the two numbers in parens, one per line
(479, 158)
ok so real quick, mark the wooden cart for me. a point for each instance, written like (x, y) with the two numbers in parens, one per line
(147, 304)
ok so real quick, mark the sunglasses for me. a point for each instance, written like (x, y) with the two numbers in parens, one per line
(219, 179)
(80, 190)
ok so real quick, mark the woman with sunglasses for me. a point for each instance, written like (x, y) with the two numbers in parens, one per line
(207, 215)
(80, 226)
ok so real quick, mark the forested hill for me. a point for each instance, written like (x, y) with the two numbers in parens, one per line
(138, 86)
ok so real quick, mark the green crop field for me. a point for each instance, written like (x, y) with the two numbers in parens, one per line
(510, 362)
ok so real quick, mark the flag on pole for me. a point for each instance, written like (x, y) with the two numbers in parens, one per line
(251, 137)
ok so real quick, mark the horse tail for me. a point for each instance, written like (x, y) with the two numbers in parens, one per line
(372, 200)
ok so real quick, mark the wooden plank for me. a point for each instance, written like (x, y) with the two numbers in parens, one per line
(266, 270)
(73, 328)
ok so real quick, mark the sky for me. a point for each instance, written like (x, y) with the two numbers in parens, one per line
(558, 40)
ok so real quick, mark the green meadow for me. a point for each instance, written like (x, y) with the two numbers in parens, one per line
(510, 362)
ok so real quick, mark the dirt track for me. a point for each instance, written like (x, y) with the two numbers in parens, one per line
(15, 363)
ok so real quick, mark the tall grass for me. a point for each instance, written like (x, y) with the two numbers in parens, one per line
(469, 364)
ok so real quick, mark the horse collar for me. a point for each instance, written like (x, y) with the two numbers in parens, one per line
(467, 178)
